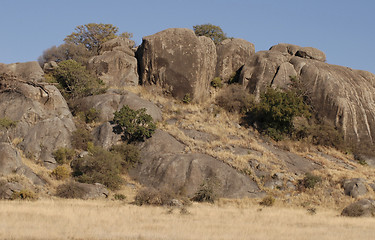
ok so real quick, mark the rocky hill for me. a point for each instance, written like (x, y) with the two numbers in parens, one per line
(197, 142)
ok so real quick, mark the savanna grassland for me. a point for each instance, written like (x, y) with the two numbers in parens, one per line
(78, 219)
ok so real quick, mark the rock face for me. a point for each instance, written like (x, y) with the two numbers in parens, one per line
(111, 102)
(44, 121)
(164, 164)
(179, 62)
(27, 70)
(342, 96)
(11, 162)
(355, 187)
(231, 56)
(116, 64)
(362, 208)
(8, 188)
(304, 52)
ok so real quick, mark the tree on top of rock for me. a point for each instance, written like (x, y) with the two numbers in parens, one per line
(93, 35)
(214, 32)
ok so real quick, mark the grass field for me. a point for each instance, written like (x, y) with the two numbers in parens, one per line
(78, 219)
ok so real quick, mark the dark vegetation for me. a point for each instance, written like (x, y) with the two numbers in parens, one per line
(134, 125)
(208, 30)
(70, 190)
(75, 81)
(152, 196)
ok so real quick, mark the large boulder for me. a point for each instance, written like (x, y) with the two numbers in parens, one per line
(304, 52)
(110, 102)
(231, 56)
(26, 70)
(179, 62)
(43, 120)
(165, 165)
(261, 69)
(341, 96)
(355, 187)
(104, 135)
(361, 208)
(119, 44)
(116, 64)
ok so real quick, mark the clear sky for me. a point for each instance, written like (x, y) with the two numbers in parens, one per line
(343, 29)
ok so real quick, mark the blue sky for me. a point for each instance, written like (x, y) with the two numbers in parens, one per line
(343, 29)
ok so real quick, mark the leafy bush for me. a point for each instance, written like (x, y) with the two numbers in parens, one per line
(309, 181)
(63, 155)
(24, 195)
(186, 99)
(88, 116)
(216, 82)
(70, 190)
(6, 123)
(61, 172)
(129, 154)
(235, 99)
(119, 196)
(81, 138)
(206, 191)
(135, 125)
(100, 166)
(214, 32)
(75, 81)
(152, 196)
(276, 110)
(267, 201)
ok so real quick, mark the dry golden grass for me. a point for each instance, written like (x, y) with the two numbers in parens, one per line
(77, 219)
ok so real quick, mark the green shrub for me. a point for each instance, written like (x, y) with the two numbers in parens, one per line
(81, 138)
(135, 125)
(267, 201)
(310, 180)
(63, 155)
(75, 81)
(152, 196)
(6, 123)
(61, 172)
(91, 115)
(119, 196)
(70, 190)
(216, 82)
(235, 98)
(129, 154)
(101, 166)
(206, 191)
(24, 195)
(186, 99)
(276, 110)
(211, 31)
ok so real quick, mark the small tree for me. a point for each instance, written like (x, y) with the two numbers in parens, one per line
(214, 32)
(276, 111)
(75, 81)
(99, 166)
(92, 35)
(136, 125)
